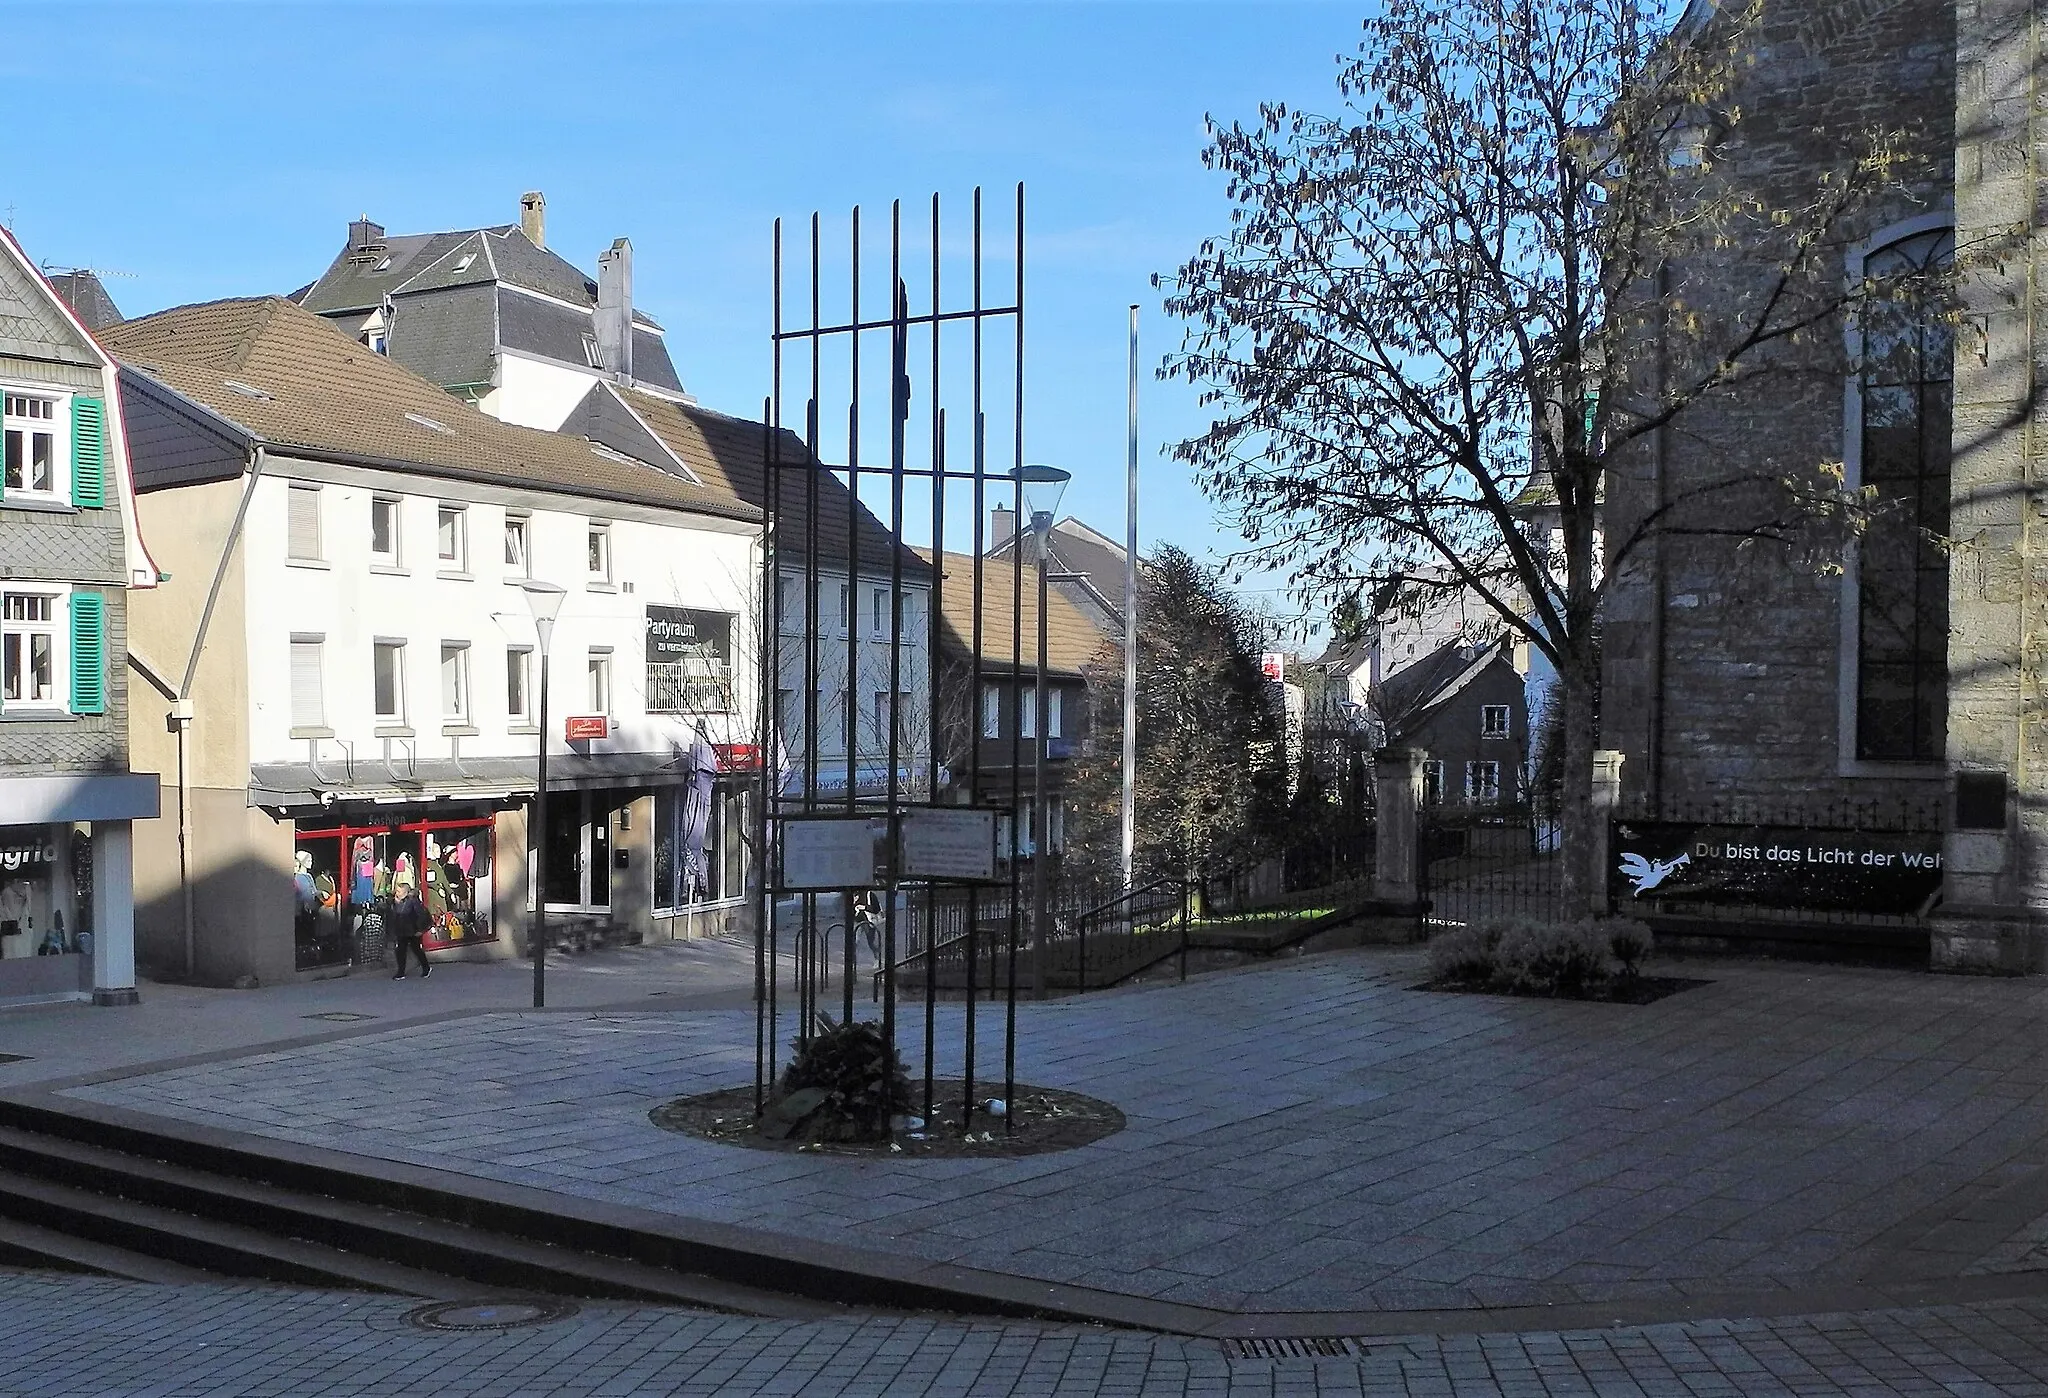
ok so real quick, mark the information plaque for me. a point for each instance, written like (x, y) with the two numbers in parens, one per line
(947, 842)
(827, 852)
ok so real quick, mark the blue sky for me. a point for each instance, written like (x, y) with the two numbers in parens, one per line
(219, 149)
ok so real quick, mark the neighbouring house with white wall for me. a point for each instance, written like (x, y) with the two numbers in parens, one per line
(70, 554)
(353, 661)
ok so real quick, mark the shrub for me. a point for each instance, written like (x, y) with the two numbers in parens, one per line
(853, 1078)
(1551, 958)
(1464, 955)
(1631, 942)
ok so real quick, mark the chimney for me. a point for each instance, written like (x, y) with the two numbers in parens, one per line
(1002, 527)
(615, 309)
(533, 217)
(364, 235)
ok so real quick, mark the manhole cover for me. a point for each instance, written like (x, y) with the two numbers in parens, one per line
(340, 1016)
(490, 1315)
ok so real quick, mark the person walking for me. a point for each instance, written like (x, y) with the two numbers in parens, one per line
(408, 925)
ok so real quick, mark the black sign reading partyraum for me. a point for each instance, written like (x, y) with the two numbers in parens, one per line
(686, 633)
(1768, 866)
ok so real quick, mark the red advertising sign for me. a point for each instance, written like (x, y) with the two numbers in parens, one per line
(738, 757)
(579, 729)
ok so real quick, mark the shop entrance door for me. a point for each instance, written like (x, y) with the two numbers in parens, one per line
(577, 866)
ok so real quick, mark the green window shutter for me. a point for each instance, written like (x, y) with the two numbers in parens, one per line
(88, 452)
(88, 653)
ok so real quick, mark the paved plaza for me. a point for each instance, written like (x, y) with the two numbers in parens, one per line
(88, 1338)
(1315, 1138)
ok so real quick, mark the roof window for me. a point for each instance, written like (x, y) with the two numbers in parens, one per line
(248, 390)
(462, 263)
(430, 424)
(383, 266)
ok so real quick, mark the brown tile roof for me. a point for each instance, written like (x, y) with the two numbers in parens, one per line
(1071, 641)
(729, 453)
(318, 391)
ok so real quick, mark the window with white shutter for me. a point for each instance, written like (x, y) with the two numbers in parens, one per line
(303, 525)
(309, 708)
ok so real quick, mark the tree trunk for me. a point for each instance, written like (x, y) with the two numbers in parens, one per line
(1576, 684)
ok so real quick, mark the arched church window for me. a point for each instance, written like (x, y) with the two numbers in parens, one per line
(1906, 380)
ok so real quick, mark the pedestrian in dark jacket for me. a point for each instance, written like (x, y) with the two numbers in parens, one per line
(408, 925)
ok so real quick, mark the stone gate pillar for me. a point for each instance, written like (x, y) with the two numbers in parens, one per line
(1995, 882)
(1606, 800)
(1398, 774)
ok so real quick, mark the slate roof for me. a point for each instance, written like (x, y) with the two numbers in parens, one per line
(1344, 657)
(728, 453)
(87, 297)
(312, 390)
(1405, 694)
(1071, 643)
(1077, 548)
(442, 336)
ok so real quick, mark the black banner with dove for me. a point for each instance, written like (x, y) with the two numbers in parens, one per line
(1877, 871)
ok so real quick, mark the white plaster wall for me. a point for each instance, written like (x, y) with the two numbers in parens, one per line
(534, 393)
(350, 606)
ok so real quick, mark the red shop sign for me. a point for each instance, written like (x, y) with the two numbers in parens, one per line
(738, 757)
(594, 726)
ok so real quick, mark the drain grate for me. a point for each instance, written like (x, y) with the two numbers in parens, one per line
(1304, 1347)
(340, 1016)
(490, 1315)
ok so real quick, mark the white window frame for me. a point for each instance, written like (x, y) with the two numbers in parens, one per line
(1055, 714)
(396, 647)
(57, 628)
(459, 713)
(301, 722)
(458, 538)
(297, 495)
(519, 660)
(991, 710)
(1477, 790)
(394, 557)
(1487, 713)
(878, 613)
(599, 670)
(520, 526)
(1027, 711)
(57, 427)
(600, 533)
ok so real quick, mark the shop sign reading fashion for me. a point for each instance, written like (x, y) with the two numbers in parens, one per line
(1889, 872)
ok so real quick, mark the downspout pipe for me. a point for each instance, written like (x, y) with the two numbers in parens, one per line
(183, 709)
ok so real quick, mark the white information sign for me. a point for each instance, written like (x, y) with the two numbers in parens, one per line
(947, 842)
(827, 853)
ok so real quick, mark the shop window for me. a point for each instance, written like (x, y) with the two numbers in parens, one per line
(302, 529)
(45, 891)
(518, 554)
(1493, 721)
(309, 707)
(455, 681)
(519, 684)
(451, 538)
(384, 540)
(690, 834)
(30, 645)
(1905, 397)
(345, 876)
(32, 428)
(387, 676)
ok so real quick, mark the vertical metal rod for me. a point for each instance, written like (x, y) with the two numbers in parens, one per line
(772, 752)
(807, 973)
(849, 707)
(540, 837)
(766, 659)
(899, 414)
(1016, 665)
(931, 651)
(974, 699)
(1041, 804)
(1130, 791)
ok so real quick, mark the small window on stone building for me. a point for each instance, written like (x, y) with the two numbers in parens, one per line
(1906, 392)
(1493, 721)
(1482, 783)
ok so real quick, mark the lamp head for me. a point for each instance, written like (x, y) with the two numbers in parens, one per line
(1043, 486)
(543, 599)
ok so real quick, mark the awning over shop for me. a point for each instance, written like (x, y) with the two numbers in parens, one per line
(296, 784)
(81, 796)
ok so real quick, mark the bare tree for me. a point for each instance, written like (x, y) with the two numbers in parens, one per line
(1406, 334)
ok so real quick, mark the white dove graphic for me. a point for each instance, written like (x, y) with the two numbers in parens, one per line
(1647, 874)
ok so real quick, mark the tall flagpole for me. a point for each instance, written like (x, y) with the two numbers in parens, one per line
(1130, 802)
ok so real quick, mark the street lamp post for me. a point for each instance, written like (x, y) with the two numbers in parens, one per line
(1043, 486)
(545, 601)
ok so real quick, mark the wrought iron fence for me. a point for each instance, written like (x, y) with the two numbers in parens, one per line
(1488, 861)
